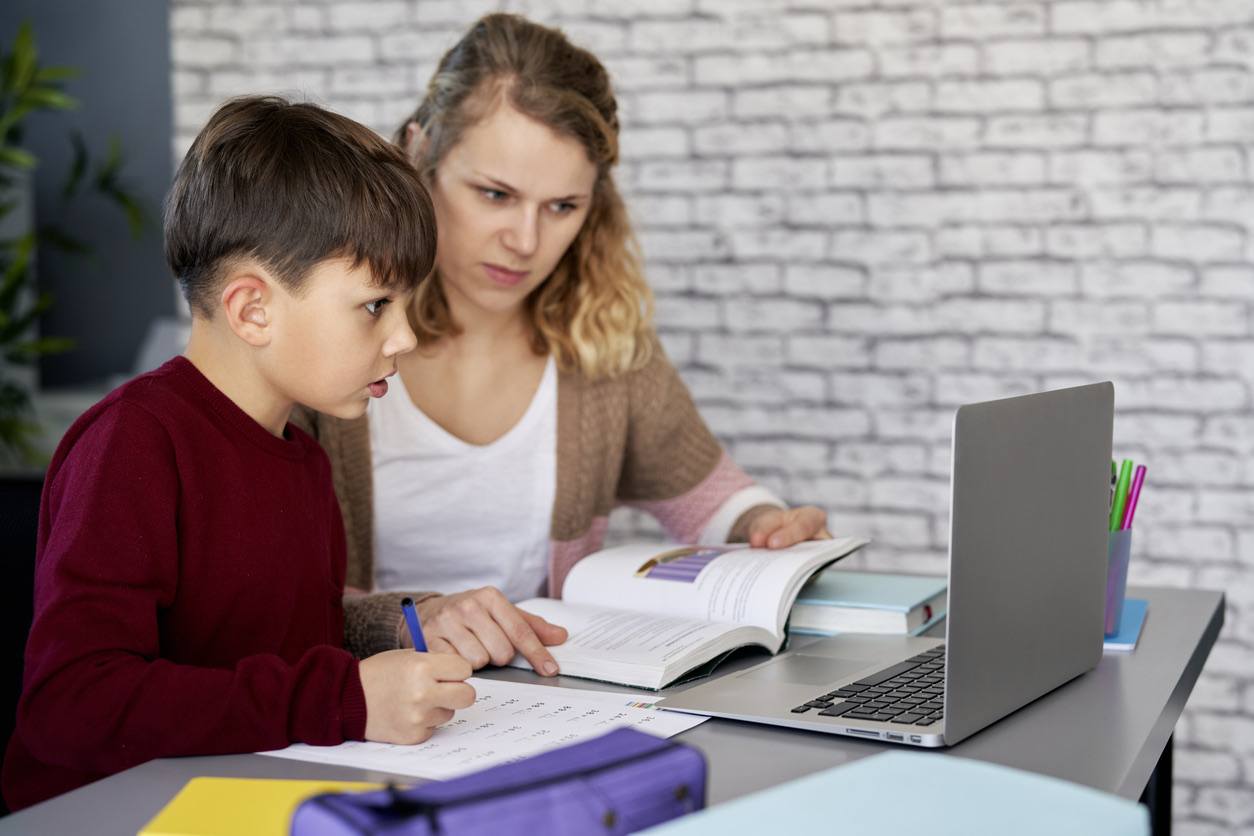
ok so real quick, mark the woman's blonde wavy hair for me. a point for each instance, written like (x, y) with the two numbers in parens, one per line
(594, 312)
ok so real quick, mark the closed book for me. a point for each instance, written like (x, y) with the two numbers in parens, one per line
(1124, 641)
(844, 601)
(239, 806)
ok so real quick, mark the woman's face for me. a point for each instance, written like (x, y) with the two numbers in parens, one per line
(510, 197)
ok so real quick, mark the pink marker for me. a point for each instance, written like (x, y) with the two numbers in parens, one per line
(1134, 493)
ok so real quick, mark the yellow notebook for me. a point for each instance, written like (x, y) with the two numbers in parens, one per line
(239, 806)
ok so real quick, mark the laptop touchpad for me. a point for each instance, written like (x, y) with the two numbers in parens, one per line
(807, 670)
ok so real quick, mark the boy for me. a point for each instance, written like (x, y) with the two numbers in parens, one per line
(191, 556)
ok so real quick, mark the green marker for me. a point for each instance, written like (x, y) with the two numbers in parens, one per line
(1121, 495)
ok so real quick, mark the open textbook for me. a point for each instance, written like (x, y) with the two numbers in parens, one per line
(645, 615)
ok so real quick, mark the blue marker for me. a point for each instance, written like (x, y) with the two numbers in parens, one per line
(415, 629)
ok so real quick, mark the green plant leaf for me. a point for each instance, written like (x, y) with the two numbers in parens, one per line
(19, 325)
(63, 241)
(9, 132)
(55, 74)
(48, 98)
(136, 218)
(14, 399)
(31, 350)
(41, 305)
(110, 184)
(6, 74)
(107, 172)
(16, 429)
(78, 166)
(16, 272)
(25, 57)
(17, 157)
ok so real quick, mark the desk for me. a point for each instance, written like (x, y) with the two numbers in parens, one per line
(1107, 730)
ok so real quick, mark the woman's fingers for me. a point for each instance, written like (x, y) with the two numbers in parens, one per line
(518, 628)
(780, 529)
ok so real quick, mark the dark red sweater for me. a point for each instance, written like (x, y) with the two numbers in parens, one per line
(188, 577)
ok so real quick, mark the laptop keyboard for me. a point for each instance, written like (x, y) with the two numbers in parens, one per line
(911, 693)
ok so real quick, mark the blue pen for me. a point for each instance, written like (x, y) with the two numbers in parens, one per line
(415, 629)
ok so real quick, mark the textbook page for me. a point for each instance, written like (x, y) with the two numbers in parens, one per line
(726, 583)
(635, 648)
(508, 722)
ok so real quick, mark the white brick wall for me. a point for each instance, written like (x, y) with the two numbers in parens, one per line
(859, 213)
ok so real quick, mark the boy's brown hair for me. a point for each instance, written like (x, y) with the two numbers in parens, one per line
(290, 185)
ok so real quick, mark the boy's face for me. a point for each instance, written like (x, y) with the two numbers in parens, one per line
(333, 345)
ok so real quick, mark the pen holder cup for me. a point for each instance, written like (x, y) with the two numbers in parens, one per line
(1118, 551)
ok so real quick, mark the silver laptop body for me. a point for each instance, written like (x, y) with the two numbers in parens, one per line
(1027, 567)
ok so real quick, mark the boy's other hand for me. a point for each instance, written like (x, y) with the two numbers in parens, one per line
(783, 527)
(409, 694)
(482, 626)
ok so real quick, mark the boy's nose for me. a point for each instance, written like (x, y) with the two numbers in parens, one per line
(401, 340)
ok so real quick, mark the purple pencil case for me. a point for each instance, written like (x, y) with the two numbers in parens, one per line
(618, 783)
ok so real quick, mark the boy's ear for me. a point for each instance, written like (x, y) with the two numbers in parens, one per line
(415, 140)
(248, 303)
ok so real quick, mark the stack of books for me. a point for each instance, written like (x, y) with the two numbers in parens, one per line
(845, 601)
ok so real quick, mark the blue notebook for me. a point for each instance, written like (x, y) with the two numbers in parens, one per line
(1130, 623)
(845, 601)
(943, 795)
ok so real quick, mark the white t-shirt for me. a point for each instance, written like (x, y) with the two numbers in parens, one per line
(451, 516)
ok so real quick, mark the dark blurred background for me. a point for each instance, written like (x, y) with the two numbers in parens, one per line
(106, 301)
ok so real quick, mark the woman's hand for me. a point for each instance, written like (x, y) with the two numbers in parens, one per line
(482, 626)
(783, 527)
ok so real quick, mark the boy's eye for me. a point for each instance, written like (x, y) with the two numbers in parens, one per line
(376, 307)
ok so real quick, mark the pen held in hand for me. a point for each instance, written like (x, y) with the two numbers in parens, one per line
(415, 629)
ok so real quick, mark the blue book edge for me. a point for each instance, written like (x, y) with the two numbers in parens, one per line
(1130, 624)
(917, 631)
(818, 591)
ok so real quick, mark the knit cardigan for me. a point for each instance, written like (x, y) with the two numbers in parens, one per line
(635, 439)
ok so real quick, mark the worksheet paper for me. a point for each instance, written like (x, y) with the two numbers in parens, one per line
(509, 721)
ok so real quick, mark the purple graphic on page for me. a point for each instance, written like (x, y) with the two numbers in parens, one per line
(683, 565)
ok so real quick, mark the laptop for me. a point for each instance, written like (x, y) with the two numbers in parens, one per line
(1027, 572)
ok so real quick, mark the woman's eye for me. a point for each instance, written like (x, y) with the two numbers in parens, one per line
(494, 195)
(564, 207)
(376, 307)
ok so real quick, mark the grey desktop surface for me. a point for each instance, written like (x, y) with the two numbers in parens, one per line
(1105, 729)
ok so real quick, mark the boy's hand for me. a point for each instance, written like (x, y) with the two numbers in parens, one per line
(408, 694)
(780, 528)
(482, 626)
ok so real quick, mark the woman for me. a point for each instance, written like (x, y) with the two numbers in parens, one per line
(538, 398)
